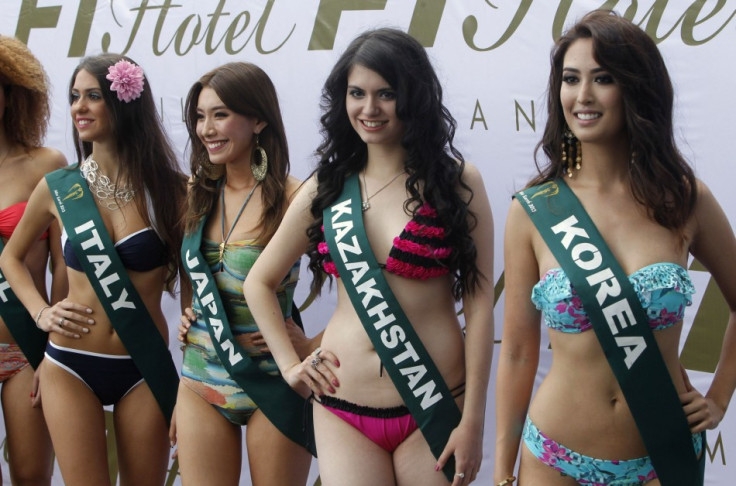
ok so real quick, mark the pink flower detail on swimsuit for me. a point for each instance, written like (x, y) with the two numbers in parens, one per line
(554, 452)
(127, 80)
(649, 477)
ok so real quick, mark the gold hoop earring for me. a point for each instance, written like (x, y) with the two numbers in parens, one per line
(259, 168)
(571, 151)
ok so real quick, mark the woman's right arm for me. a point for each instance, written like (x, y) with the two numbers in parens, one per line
(287, 245)
(36, 218)
(519, 354)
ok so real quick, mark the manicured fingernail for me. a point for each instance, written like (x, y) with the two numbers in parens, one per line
(32, 395)
(335, 382)
(77, 336)
(337, 363)
(90, 321)
(89, 311)
(332, 390)
(437, 468)
(84, 329)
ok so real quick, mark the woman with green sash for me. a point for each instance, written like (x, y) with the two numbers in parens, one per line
(24, 113)
(118, 210)
(238, 192)
(404, 223)
(600, 241)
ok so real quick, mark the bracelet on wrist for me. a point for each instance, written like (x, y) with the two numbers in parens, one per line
(508, 480)
(38, 316)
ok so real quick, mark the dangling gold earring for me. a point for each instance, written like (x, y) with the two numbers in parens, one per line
(571, 150)
(260, 168)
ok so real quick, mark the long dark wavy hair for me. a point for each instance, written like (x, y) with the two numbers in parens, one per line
(146, 158)
(434, 166)
(661, 179)
(247, 90)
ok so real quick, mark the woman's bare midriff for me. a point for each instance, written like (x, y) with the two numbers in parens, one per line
(431, 311)
(579, 404)
(102, 337)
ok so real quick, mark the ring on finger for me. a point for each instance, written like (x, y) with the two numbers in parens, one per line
(317, 351)
(460, 475)
(61, 322)
(315, 361)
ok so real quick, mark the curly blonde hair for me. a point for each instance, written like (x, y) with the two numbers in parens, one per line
(25, 86)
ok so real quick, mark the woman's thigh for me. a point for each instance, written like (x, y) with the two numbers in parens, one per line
(346, 456)
(29, 445)
(274, 458)
(142, 440)
(210, 447)
(76, 422)
(414, 463)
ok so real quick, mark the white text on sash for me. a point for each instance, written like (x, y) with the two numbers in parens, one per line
(617, 312)
(393, 336)
(207, 300)
(102, 262)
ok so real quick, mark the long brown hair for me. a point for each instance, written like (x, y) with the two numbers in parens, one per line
(247, 90)
(146, 157)
(661, 179)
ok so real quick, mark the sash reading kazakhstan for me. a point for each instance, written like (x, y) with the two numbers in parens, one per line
(622, 327)
(104, 269)
(402, 353)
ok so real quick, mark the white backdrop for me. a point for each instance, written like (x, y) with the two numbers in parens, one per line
(493, 58)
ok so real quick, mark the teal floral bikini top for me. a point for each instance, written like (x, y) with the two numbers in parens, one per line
(664, 289)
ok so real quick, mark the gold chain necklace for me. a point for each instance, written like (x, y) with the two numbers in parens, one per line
(366, 205)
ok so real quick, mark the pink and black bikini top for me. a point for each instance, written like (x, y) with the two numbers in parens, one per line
(9, 218)
(419, 252)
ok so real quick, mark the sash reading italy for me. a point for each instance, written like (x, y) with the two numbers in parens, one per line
(622, 327)
(104, 269)
(278, 401)
(402, 353)
(30, 339)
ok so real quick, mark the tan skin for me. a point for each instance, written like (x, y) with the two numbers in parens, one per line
(76, 419)
(580, 378)
(29, 445)
(210, 446)
(346, 456)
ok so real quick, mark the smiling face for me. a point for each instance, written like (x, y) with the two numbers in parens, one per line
(227, 135)
(591, 99)
(371, 107)
(89, 112)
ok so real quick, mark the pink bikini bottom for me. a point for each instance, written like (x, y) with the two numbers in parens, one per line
(387, 427)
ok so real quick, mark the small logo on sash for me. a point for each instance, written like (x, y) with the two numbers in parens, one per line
(75, 192)
(548, 189)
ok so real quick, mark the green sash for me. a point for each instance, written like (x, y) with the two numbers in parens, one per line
(30, 339)
(278, 401)
(622, 327)
(124, 307)
(402, 353)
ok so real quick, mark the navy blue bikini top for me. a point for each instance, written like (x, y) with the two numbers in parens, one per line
(140, 251)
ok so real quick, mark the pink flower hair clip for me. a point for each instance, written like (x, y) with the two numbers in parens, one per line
(127, 80)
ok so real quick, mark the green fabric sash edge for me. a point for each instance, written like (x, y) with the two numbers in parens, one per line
(622, 328)
(402, 353)
(30, 339)
(285, 408)
(107, 275)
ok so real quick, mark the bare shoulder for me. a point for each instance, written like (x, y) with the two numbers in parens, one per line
(47, 159)
(292, 186)
(471, 175)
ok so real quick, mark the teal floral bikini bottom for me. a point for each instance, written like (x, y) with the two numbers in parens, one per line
(589, 470)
